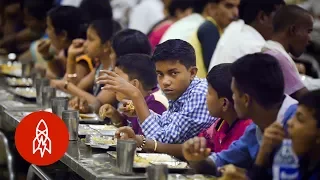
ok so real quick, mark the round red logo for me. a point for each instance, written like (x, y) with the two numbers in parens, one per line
(42, 138)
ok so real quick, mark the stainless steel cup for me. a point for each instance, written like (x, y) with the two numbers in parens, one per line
(40, 84)
(125, 155)
(71, 118)
(27, 69)
(158, 172)
(48, 93)
(58, 105)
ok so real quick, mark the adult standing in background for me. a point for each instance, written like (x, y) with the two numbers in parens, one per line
(145, 14)
(220, 14)
(249, 34)
(184, 28)
(177, 10)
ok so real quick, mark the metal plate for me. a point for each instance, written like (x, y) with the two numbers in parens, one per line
(106, 130)
(19, 82)
(143, 160)
(30, 92)
(100, 141)
(86, 130)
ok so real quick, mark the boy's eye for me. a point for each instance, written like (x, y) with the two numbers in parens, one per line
(174, 73)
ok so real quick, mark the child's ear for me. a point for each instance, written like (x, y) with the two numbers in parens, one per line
(193, 71)
(225, 105)
(135, 83)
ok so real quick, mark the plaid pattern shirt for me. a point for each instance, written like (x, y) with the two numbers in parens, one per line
(185, 118)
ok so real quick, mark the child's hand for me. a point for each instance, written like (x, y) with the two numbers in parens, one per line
(113, 82)
(76, 48)
(127, 108)
(272, 137)
(195, 149)
(126, 133)
(43, 48)
(58, 84)
(106, 111)
(84, 106)
(74, 103)
(232, 172)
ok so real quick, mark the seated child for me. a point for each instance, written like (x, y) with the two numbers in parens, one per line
(220, 104)
(188, 114)
(124, 42)
(304, 131)
(138, 70)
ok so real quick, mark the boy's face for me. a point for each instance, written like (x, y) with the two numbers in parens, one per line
(120, 96)
(174, 78)
(214, 103)
(303, 131)
(241, 101)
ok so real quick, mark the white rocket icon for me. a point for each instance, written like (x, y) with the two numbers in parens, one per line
(42, 142)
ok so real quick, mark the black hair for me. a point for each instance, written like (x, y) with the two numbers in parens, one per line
(130, 41)
(38, 8)
(175, 50)
(69, 19)
(288, 16)
(219, 78)
(105, 28)
(199, 5)
(96, 9)
(249, 9)
(179, 5)
(140, 67)
(260, 76)
(311, 100)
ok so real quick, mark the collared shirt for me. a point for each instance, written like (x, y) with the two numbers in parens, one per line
(146, 14)
(220, 135)
(292, 79)
(237, 40)
(183, 28)
(156, 102)
(186, 117)
(242, 153)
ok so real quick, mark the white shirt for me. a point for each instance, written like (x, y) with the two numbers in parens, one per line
(183, 28)
(146, 14)
(121, 9)
(75, 3)
(237, 40)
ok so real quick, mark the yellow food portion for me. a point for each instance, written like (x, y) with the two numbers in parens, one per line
(104, 141)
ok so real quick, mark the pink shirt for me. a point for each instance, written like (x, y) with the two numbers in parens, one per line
(292, 80)
(220, 135)
(156, 35)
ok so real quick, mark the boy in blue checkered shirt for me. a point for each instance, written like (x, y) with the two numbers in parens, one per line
(187, 114)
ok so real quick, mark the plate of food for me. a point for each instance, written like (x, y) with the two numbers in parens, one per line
(143, 160)
(84, 130)
(90, 118)
(27, 92)
(107, 130)
(19, 82)
(100, 141)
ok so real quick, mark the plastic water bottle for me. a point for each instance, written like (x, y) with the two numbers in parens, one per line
(285, 163)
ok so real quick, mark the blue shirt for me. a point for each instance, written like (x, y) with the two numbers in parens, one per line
(242, 153)
(185, 118)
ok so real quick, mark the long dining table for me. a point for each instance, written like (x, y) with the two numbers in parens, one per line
(81, 159)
